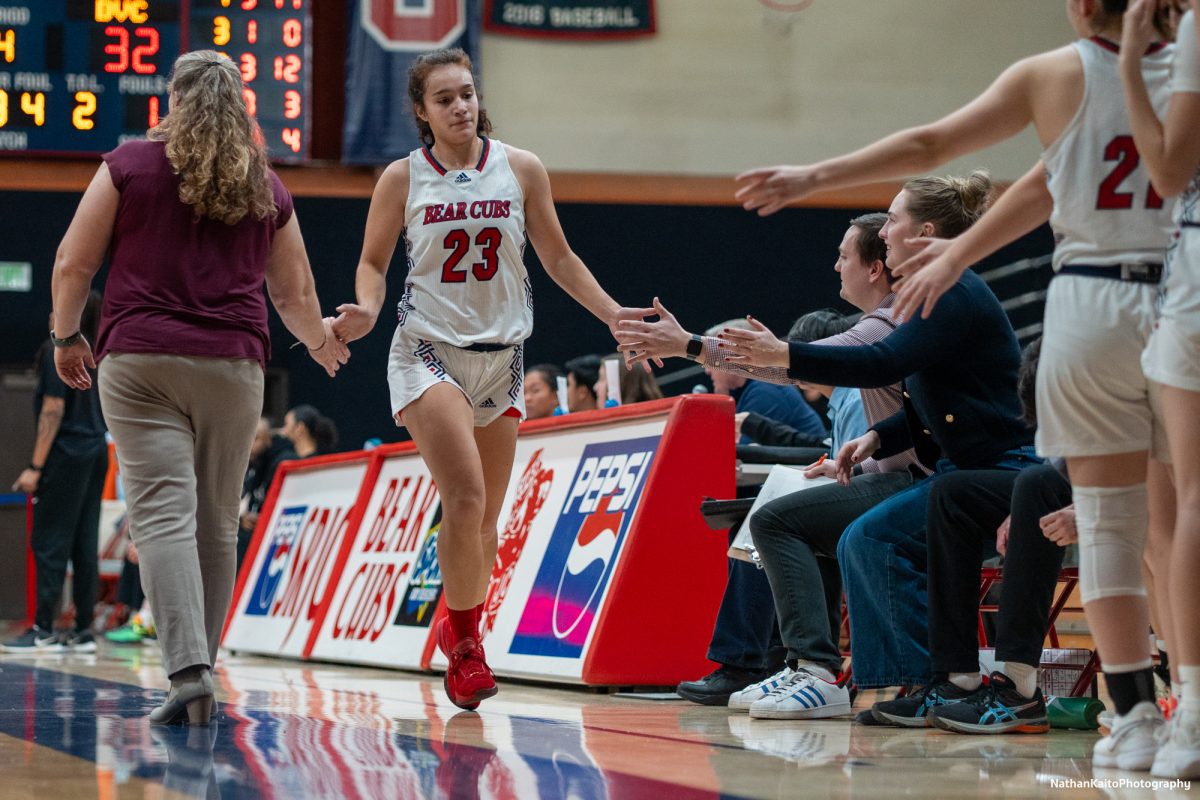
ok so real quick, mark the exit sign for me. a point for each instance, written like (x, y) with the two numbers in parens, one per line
(16, 276)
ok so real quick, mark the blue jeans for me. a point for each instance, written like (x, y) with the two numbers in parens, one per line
(883, 560)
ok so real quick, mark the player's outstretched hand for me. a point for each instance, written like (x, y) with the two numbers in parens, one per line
(768, 189)
(333, 353)
(643, 342)
(626, 316)
(753, 348)
(924, 278)
(353, 322)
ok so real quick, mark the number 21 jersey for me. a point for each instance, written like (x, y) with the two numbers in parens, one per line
(1105, 211)
(465, 237)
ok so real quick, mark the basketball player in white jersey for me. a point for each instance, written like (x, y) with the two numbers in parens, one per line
(463, 204)
(1094, 404)
(1171, 151)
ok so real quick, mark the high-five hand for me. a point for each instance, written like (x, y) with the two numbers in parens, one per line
(643, 341)
(753, 348)
(768, 189)
(924, 277)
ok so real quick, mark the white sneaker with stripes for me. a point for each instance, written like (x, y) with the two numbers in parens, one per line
(803, 695)
(742, 700)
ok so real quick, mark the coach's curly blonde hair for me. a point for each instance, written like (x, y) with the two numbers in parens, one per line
(213, 144)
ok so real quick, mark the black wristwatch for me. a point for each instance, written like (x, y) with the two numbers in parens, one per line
(695, 347)
(67, 342)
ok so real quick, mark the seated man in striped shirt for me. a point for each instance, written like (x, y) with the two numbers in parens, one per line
(797, 535)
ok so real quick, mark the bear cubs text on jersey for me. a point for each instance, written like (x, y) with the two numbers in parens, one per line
(480, 209)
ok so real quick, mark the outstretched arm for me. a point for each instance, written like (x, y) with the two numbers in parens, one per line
(1002, 111)
(293, 292)
(925, 277)
(1171, 151)
(561, 263)
(385, 220)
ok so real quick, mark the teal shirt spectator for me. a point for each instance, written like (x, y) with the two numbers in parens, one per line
(847, 416)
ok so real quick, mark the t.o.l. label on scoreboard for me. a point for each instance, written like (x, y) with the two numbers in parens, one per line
(83, 76)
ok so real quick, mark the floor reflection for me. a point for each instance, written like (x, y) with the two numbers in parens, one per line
(346, 743)
(75, 726)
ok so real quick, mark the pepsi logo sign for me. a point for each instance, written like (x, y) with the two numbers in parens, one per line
(584, 548)
(283, 540)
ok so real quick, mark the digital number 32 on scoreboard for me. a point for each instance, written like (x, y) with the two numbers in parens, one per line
(81, 76)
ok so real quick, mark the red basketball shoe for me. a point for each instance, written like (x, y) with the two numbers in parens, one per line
(469, 680)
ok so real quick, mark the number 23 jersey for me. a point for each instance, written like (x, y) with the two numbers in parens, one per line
(464, 233)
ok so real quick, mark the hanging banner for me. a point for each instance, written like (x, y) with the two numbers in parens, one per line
(385, 36)
(570, 19)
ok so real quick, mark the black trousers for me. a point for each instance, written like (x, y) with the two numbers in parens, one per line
(66, 527)
(965, 508)
(129, 586)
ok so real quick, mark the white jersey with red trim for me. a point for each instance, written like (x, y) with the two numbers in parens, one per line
(464, 232)
(1105, 211)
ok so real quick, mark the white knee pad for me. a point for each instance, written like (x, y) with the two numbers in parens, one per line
(1112, 524)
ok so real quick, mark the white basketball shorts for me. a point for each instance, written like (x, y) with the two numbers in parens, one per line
(492, 381)
(1092, 397)
(1173, 355)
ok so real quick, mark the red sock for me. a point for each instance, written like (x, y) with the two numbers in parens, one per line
(478, 617)
(462, 624)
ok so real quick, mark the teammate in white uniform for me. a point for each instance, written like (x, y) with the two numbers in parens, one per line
(463, 205)
(1171, 151)
(1113, 236)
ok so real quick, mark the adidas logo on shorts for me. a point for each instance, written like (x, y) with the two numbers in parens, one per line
(487, 404)
(462, 178)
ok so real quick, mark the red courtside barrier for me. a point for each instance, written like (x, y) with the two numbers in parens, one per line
(606, 573)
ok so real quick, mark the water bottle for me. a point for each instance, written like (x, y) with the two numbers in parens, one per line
(1077, 713)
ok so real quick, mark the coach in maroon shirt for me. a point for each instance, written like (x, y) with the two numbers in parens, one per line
(193, 222)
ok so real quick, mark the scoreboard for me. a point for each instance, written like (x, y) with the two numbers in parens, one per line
(82, 76)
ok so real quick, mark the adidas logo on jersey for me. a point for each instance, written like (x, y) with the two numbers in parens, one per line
(487, 404)
(462, 178)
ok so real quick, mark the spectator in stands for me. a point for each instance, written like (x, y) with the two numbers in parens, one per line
(745, 640)
(866, 284)
(763, 431)
(781, 403)
(582, 373)
(65, 476)
(1027, 517)
(959, 373)
(310, 432)
(637, 385)
(183, 343)
(541, 390)
(267, 452)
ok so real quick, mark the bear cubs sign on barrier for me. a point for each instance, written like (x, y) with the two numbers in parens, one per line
(601, 544)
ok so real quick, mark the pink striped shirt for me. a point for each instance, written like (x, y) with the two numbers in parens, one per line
(878, 404)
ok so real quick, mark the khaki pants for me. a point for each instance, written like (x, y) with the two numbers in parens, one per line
(183, 428)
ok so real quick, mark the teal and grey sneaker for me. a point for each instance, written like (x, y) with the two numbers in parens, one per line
(35, 640)
(912, 710)
(995, 707)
